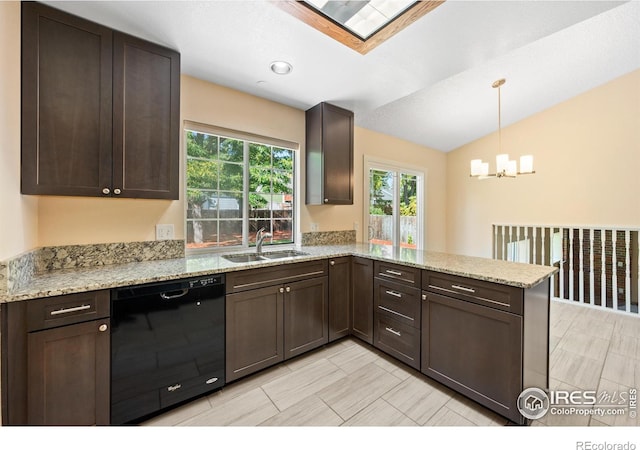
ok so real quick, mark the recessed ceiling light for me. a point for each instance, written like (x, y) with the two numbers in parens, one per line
(281, 67)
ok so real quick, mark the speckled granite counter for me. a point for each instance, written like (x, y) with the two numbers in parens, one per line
(67, 281)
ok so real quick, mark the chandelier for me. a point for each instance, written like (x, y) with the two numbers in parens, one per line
(504, 166)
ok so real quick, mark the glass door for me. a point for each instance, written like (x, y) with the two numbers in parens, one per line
(394, 197)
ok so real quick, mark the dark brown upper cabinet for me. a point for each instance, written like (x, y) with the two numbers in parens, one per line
(100, 110)
(329, 151)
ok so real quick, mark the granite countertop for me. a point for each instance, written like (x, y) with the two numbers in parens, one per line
(67, 281)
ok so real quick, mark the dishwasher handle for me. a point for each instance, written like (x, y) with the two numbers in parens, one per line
(178, 294)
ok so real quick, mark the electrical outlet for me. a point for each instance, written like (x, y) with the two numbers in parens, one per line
(620, 264)
(164, 232)
(356, 226)
(314, 226)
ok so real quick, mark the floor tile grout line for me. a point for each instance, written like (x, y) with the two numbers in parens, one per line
(403, 414)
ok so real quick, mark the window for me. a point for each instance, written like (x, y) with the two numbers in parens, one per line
(237, 184)
(395, 213)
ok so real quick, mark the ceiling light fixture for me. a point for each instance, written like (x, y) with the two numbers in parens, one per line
(504, 166)
(281, 67)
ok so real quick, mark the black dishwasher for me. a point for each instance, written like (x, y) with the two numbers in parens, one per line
(167, 345)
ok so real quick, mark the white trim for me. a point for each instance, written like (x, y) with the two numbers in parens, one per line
(371, 162)
(248, 138)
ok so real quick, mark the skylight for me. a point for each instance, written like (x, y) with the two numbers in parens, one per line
(360, 25)
(361, 18)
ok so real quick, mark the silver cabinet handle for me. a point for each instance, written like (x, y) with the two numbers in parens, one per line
(281, 290)
(391, 330)
(394, 312)
(424, 296)
(117, 191)
(394, 293)
(70, 310)
(103, 327)
(180, 293)
(394, 272)
(106, 191)
(288, 289)
(326, 200)
(333, 263)
(462, 288)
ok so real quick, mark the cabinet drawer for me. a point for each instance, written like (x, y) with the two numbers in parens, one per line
(397, 339)
(398, 301)
(245, 280)
(53, 312)
(402, 274)
(499, 296)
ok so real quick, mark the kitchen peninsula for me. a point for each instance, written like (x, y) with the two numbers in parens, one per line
(477, 325)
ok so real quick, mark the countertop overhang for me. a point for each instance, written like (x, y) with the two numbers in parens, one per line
(68, 281)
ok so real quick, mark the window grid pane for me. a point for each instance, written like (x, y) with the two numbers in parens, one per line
(215, 191)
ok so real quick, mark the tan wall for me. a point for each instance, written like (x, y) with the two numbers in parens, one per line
(384, 147)
(586, 155)
(18, 214)
(68, 220)
(72, 220)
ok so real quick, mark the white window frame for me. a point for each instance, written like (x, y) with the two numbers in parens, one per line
(247, 137)
(393, 166)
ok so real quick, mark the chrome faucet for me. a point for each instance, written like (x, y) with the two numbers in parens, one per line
(260, 235)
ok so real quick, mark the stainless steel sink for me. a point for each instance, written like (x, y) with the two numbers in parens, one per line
(250, 257)
(283, 254)
(244, 257)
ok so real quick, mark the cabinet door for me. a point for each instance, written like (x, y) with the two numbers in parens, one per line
(329, 155)
(362, 299)
(66, 103)
(306, 324)
(254, 332)
(339, 297)
(146, 83)
(337, 137)
(69, 375)
(475, 350)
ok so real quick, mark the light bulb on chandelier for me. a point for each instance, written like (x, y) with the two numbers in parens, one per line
(504, 166)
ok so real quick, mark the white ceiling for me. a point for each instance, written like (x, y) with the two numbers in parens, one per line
(429, 84)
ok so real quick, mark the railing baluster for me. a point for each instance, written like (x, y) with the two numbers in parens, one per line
(592, 296)
(581, 264)
(495, 242)
(627, 265)
(543, 244)
(614, 265)
(561, 276)
(571, 268)
(603, 275)
(504, 243)
(534, 239)
(638, 269)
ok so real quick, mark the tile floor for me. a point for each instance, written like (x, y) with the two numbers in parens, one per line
(349, 383)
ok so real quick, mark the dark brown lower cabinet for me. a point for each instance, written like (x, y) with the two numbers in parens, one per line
(474, 349)
(306, 324)
(254, 331)
(56, 360)
(362, 299)
(339, 297)
(397, 339)
(69, 375)
(268, 325)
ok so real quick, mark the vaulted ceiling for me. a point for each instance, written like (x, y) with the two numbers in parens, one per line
(429, 84)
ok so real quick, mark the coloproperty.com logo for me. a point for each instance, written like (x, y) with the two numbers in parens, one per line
(534, 403)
